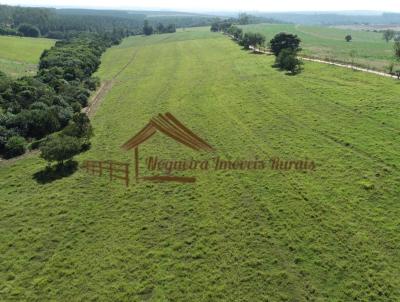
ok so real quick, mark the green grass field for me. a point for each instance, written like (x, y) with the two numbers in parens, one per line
(370, 49)
(20, 56)
(328, 235)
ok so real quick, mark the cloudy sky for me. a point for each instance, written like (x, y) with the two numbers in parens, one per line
(218, 5)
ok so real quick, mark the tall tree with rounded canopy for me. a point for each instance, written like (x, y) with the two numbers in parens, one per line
(285, 41)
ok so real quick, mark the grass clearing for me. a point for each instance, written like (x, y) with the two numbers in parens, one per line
(19, 56)
(371, 51)
(331, 235)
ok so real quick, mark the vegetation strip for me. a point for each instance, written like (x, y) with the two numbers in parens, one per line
(332, 63)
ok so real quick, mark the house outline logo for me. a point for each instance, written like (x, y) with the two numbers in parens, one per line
(173, 128)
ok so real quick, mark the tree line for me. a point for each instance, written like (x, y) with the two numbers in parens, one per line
(64, 23)
(284, 46)
(159, 29)
(45, 110)
(389, 35)
(46, 22)
(32, 107)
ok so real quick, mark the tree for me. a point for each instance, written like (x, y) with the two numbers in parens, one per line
(285, 41)
(390, 68)
(60, 148)
(243, 18)
(79, 127)
(287, 60)
(214, 27)
(236, 32)
(252, 39)
(348, 38)
(353, 54)
(160, 28)
(388, 35)
(170, 28)
(397, 50)
(16, 145)
(29, 30)
(147, 29)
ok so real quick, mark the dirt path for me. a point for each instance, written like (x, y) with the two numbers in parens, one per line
(104, 88)
(349, 66)
(98, 97)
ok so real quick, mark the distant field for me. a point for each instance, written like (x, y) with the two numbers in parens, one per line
(20, 56)
(330, 235)
(371, 50)
(369, 27)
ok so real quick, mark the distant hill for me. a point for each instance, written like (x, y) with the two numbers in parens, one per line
(343, 18)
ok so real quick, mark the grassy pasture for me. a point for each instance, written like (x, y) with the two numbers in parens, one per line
(330, 235)
(370, 49)
(20, 56)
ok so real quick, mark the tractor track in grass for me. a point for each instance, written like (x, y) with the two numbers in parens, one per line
(334, 139)
(339, 142)
(105, 87)
(348, 66)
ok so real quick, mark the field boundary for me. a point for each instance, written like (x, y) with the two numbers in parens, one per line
(344, 65)
(310, 59)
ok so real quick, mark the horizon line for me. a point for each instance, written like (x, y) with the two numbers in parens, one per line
(204, 11)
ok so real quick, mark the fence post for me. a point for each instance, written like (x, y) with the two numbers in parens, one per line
(127, 175)
(111, 171)
(137, 163)
(100, 168)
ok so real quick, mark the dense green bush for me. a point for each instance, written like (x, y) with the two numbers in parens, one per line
(287, 60)
(5, 31)
(60, 148)
(252, 39)
(16, 145)
(29, 30)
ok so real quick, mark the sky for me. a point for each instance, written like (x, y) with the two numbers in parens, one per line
(221, 5)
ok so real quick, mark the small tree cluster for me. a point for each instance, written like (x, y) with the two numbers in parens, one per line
(285, 48)
(29, 30)
(235, 32)
(246, 40)
(254, 40)
(223, 26)
(388, 35)
(74, 139)
(160, 28)
(397, 50)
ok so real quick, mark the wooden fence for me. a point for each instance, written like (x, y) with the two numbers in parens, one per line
(112, 168)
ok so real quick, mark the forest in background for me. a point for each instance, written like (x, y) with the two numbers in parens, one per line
(44, 110)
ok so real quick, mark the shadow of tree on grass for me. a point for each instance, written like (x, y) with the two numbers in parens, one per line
(55, 172)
